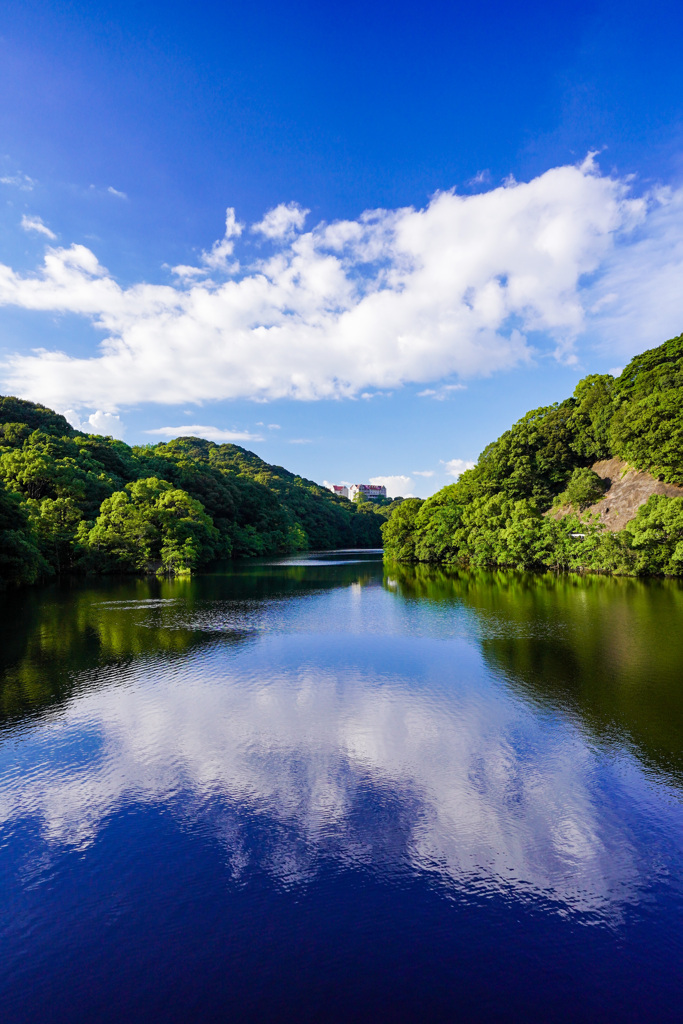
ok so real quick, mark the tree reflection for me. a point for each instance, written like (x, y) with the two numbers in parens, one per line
(54, 636)
(608, 649)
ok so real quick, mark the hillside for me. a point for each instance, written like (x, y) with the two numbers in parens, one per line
(593, 482)
(76, 502)
(327, 520)
(627, 490)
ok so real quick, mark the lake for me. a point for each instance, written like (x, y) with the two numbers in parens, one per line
(322, 789)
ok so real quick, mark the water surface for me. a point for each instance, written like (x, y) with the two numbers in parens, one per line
(317, 789)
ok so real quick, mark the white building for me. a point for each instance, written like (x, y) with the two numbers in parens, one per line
(368, 490)
(339, 489)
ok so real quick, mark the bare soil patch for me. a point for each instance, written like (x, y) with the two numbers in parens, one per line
(628, 489)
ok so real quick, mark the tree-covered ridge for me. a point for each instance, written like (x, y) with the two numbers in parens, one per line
(71, 501)
(497, 513)
(324, 518)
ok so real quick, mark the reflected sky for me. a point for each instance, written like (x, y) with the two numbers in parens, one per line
(420, 731)
(333, 703)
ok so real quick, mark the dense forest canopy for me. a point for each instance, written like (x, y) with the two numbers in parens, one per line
(71, 501)
(501, 512)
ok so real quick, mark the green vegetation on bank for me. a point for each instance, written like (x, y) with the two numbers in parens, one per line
(76, 502)
(497, 514)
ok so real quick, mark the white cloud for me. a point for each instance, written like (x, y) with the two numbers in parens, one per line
(207, 432)
(36, 224)
(395, 485)
(98, 422)
(21, 181)
(183, 271)
(282, 222)
(300, 440)
(394, 297)
(638, 296)
(456, 467)
(274, 426)
(441, 393)
(480, 178)
(115, 192)
(106, 423)
(423, 472)
(217, 257)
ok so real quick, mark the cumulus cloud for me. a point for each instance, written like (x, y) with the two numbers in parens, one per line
(207, 432)
(423, 472)
(454, 290)
(282, 222)
(99, 422)
(396, 485)
(36, 224)
(456, 467)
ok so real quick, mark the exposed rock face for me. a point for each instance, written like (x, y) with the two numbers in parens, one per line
(628, 490)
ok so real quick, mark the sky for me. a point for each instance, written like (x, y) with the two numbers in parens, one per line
(359, 240)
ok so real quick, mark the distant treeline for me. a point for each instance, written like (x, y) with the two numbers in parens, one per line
(76, 502)
(497, 513)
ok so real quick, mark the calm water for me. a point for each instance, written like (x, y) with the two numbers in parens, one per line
(319, 790)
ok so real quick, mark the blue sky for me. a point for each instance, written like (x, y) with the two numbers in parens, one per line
(418, 247)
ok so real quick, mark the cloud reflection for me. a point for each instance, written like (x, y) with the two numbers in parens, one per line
(464, 782)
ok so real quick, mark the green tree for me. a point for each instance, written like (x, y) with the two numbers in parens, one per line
(20, 559)
(657, 535)
(436, 524)
(188, 536)
(584, 488)
(35, 416)
(592, 415)
(399, 531)
(123, 538)
(152, 524)
(54, 522)
(647, 427)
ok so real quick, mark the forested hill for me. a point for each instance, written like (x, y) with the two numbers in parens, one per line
(71, 501)
(533, 488)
